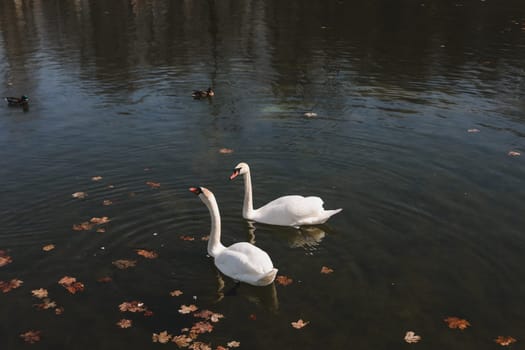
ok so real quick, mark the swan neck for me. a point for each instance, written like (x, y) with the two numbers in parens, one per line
(247, 208)
(214, 243)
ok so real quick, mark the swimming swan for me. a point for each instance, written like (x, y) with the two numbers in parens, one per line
(241, 261)
(285, 211)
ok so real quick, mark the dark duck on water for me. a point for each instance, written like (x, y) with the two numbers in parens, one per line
(201, 93)
(17, 101)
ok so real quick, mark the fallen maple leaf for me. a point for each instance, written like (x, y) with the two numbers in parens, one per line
(233, 344)
(147, 253)
(107, 202)
(220, 347)
(182, 341)
(283, 280)
(5, 259)
(101, 230)
(456, 322)
(8, 286)
(176, 293)
(199, 346)
(75, 287)
(46, 304)
(96, 178)
(39, 293)
(124, 264)
(514, 154)
(105, 279)
(225, 151)
(98, 221)
(411, 337)
(67, 281)
(59, 311)
(326, 270)
(205, 238)
(148, 313)
(162, 337)
(124, 323)
(201, 327)
(473, 130)
(299, 324)
(84, 226)
(31, 337)
(48, 247)
(132, 306)
(187, 238)
(505, 340)
(79, 195)
(186, 309)
(153, 184)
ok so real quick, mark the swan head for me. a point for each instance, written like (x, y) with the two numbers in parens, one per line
(240, 169)
(202, 192)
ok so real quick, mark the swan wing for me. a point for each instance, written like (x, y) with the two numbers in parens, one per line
(290, 210)
(244, 262)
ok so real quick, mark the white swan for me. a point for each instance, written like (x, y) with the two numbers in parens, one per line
(284, 211)
(241, 261)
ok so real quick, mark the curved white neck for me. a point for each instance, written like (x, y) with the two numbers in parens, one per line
(214, 243)
(247, 207)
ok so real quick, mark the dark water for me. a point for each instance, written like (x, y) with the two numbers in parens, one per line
(433, 215)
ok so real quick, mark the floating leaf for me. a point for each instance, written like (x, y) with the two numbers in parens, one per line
(124, 264)
(107, 202)
(253, 317)
(505, 340)
(205, 238)
(199, 346)
(225, 151)
(8, 286)
(153, 184)
(132, 306)
(96, 178)
(67, 280)
(71, 284)
(46, 304)
(186, 309)
(283, 280)
(201, 327)
(182, 341)
(4, 259)
(456, 322)
(310, 114)
(299, 324)
(162, 337)
(473, 130)
(187, 238)
(39, 293)
(176, 293)
(233, 344)
(101, 230)
(411, 337)
(59, 311)
(326, 270)
(105, 279)
(124, 323)
(98, 221)
(31, 337)
(147, 254)
(79, 195)
(84, 226)
(48, 247)
(514, 154)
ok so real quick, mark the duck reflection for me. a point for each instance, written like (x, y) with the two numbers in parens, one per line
(306, 237)
(265, 297)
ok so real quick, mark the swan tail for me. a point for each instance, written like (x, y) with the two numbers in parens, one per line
(329, 213)
(267, 279)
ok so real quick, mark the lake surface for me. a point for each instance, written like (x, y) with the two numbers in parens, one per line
(432, 223)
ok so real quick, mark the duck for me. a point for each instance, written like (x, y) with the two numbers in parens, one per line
(291, 210)
(17, 101)
(202, 93)
(242, 261)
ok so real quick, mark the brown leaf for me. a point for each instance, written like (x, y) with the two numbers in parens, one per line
(59, 311)
(176, 293)
(283, 280)
(5, 259)
(31, 337)
(199, 346)
(326, 270)
(201, 327)
(46, 304)
(124, 323)
(8, 286)
(96, 178)
(233, 344)
(75, 287)
(132, 306)
(101, 230)
(98, 221)
(205, 238)
(39, 293)
(48, 247)
(153, 184)
(162, 337)
(456, 322)
(124, 264)
(299, 324)
(187, 238)
(514, 154)
(148, 313)
(148, 254)
(225, 151)
(411, 337)
(182, 341)
(473, 130)
(505, 340)
(67, 281)
(105, 279)
(253, 317)
(79, 195)
(107, 202)
(84, 226)
(186, 309)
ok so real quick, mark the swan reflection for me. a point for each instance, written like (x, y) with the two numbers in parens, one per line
(306, 237)
(263, 296)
